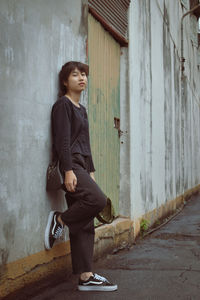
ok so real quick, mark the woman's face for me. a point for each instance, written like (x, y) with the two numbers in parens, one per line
(77, 81)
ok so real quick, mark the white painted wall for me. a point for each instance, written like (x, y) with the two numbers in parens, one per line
(124, 202)
(164, 123)
(37, 38)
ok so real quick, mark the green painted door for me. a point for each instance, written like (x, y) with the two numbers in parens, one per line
(104, 107)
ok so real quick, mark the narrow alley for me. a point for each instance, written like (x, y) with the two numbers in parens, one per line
(163, 265)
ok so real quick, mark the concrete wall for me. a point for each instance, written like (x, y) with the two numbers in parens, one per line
(124, 202)
(37, 37)
(164, 110)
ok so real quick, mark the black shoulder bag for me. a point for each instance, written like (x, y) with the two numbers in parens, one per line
(53, 176)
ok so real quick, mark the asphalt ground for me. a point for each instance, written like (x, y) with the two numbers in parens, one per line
(163, 265)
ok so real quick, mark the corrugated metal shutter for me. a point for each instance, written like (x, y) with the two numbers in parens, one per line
(113, 15)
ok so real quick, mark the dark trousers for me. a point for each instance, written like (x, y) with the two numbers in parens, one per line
(83, 205)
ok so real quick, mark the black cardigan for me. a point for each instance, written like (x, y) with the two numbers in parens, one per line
(68, 123)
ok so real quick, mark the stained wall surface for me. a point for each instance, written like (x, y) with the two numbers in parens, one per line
(37, 37)
(164, 108)
(124, 202)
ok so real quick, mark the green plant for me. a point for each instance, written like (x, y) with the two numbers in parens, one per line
(144, 225)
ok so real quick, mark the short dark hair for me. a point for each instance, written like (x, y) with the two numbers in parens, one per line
(65, 72)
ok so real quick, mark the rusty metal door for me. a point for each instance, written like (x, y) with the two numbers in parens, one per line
(104, 107)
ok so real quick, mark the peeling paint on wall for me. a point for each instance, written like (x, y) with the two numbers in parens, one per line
(164, 118)
(37, 38)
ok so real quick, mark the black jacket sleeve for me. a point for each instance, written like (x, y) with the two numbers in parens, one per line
(61, 124)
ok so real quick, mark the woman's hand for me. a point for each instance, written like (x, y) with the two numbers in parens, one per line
(92, 175)
(70, 181)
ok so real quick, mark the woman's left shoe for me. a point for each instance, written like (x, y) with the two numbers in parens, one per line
(53, 230)
(96, 283)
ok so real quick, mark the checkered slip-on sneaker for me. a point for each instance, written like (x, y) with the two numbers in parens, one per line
(53, 230)
(96, 283)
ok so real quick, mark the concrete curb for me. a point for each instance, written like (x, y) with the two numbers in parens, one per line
(113, 236)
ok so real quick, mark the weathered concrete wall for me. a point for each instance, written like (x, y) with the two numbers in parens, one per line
(124, 202)
(37, 37)
(164, 123)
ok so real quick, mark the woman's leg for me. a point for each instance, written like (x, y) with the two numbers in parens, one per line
(82, 246)
(87, 201)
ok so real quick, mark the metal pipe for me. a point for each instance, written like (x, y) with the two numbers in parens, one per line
(182, 58)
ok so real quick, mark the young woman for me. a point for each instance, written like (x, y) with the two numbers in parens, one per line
(85, 200)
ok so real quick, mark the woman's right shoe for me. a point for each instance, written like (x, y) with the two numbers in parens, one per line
(96, 283)
(53, 230)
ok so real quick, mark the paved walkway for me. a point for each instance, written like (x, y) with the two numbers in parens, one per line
(164, 265)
